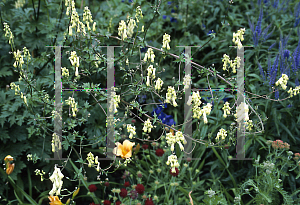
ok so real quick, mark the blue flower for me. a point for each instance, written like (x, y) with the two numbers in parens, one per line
(173, 20)
(143, 50)
(276, 95)
(164, 16)
(273, 71)
(261, 71)
(286, 54)
(257, 34)
(210, 32)
(141, 98)
(275, 5)
(172, 11)
(167, 119)
(130, 1)
(169, 2)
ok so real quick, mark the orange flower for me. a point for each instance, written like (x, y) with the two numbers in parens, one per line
(54, 200)
(125, 150)
(9, 166)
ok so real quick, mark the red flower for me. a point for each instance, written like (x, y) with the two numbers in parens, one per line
(127, 184)
(149, 202)
(92, 188)
(123, 192)
(106, 184)
(140, 188)
(145, 146)
(118, 203)
(106, 202)
(174, 174)
(159, 152)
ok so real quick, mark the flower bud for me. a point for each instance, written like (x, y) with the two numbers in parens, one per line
(106, 184)
(75, 193)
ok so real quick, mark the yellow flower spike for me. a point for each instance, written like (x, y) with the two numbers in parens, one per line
(68, 202)
(54, 200)
(125, 150)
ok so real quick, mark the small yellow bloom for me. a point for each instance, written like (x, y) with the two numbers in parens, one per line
(125, 150)
(54, 200)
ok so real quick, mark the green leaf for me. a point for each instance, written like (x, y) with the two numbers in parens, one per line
(92, 194)
(287, 130)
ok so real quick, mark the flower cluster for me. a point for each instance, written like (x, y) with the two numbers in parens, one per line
(196, 99)
(242, 112)
(238, 37)
(149, 55)
(38, 172)
(65, 72)
(131, 130)
(75, 18)
(158, 84)
(297, 156)
(131, 25)
(235, 64)
(19, 59)
(147, 126)
(249, 124)
(56, 179)
(92, 188)
(278, 144)
(55, 143)
(174, 163)
(282, 81)
(187, 81)
(222, 133)
(139, 13)
(8, 33)
(74, 61)
(171, 140)
(122, 30)
(151, 72)
(17, 89)
(90, 158)
(294, 92)
(171, 95)
(268, 166)
(71, 101)
(87, 17)
(166, 41)
(114, 101)
(226, 109)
